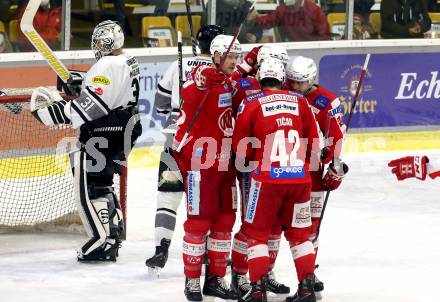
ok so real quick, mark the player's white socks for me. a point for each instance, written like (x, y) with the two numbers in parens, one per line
(165, 221)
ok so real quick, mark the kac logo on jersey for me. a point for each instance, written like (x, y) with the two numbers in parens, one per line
(101, 80)
(225, 100)
(226, 122)
(321, 102)
(287, 172)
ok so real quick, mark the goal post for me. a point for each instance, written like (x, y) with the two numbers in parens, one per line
(36, 181)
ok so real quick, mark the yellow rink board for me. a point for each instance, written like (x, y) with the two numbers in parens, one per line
(148, 157)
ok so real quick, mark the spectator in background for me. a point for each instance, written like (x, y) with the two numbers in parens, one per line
(230, 14)
(47, 23)
(362, 29)
(161, 9)
(298, 20)
(404, 19)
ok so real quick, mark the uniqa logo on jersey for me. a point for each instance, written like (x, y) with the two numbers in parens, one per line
(287, 172)
(226, 122)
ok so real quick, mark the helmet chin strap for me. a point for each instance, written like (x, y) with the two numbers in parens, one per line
(307, 91)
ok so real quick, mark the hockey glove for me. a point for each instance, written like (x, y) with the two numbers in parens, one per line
(334, 176)
(409, 167)
(208, 77)
(327, 154)
(249, 61)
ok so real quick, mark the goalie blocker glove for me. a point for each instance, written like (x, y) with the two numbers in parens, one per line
(334, 176)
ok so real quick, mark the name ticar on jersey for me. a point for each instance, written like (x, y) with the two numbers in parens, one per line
(284, 121)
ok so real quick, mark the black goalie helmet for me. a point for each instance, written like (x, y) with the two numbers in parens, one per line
(205, 36)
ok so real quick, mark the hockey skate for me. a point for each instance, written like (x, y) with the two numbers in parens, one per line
(305, 291)
(241, 286)
(216, 286)
(258, 291)
(192, 289)
(276, 287)
(160, 257)
(319, 285)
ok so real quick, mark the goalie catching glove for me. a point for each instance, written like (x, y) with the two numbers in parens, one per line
(49, 108)
(412, 166)
(334, 176)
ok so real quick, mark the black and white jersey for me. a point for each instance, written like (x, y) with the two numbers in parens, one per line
(111, 83)
(167, 95)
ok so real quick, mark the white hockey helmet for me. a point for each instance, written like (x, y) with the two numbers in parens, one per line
(221, 44)
(271, 68)
(273, 51)
(107, 36)
(302, 69)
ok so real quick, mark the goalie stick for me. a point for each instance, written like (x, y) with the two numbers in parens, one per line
(27, 27)
(350, 114)
(199, 108)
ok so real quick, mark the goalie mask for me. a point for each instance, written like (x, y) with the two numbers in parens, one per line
(107, 36)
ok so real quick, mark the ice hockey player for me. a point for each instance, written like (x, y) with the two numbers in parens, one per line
(413, 167)
(170, 185)
(247, 86)
(281, 129)
(206, 170)
(106, 115)
(301, 74)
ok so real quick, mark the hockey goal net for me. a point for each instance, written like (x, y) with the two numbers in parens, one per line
(36, 182)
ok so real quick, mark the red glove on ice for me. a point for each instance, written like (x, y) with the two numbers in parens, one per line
(409, 166)
(334, 176)
(249, 61)
(208, 77)
(327, 154)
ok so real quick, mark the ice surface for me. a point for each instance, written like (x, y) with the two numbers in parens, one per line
(379, 243)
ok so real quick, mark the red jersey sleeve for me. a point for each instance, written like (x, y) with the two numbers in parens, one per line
(243, 130)
(310, 132)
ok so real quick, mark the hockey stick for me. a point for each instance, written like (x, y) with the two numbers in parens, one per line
(179, 61)
(191, 28)
(27, 27)
(350, 114)
(222, 62)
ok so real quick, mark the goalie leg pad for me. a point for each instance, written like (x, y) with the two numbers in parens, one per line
(87, 209)
(98, 209)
